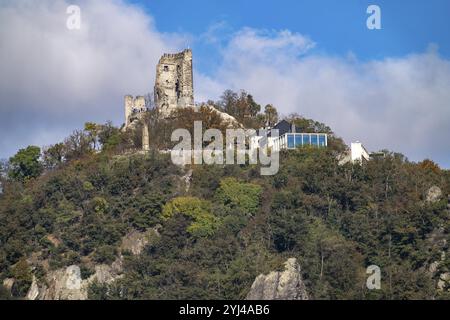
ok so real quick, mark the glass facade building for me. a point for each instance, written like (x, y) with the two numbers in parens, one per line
(295, 140)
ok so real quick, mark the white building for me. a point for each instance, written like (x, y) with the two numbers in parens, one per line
(358, 152)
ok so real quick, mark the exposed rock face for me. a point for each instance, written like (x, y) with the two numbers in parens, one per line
(62, 284)
(285, 285)
(33, 292)
(227, 119)
(67, 284)
(444, 281)
(433, 267)
(136, 241)
(8, 283)
(54, 240)
(437, 240)
(434, 194)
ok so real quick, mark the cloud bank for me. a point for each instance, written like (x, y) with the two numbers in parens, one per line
(53, 79)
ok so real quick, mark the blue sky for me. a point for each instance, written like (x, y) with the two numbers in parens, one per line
(338, 27)
(388, 88)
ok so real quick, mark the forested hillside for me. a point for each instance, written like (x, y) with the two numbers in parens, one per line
(73, 203)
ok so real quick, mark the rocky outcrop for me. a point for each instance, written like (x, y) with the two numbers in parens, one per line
(8, 283)
(437, 240)
(62, 284)
(280, 285)
(33, 292)
(444, 281)
(227, 119)
(67, 284)
(136, 241)
(434, 194)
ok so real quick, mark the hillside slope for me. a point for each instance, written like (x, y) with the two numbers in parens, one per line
(131, 228)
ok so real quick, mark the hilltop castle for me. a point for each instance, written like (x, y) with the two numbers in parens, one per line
(173, 88)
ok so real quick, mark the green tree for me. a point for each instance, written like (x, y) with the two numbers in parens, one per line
(271, 114)
(204, 222)
(22, 278)
(93, 130)
(109, 136)
(254, 108)
(244, 196)
(228, 102)
(25, 164)
(77, 145)
(53, 155)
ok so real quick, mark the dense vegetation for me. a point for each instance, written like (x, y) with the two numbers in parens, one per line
(73, 203)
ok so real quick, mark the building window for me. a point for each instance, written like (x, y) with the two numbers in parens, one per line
(306, 140)
(166, 68)
(314, 140)
(298, 140)
(290, 141)
(322, 141)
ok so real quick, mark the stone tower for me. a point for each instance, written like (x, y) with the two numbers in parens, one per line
(174, 82)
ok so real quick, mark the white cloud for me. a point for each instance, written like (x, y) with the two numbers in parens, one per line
(53, 79)
(402, 104)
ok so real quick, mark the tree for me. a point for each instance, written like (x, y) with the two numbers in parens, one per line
(228, 102)
(308, 125)
(254, 108)
(23, 278)
(271, 114)
(77, 145)
(53, 155)
(92, 130)
(4, 169)
(4, 293)
(244, 196)
(205, 223)
(109, 136)
(430, 165)
(25, 164)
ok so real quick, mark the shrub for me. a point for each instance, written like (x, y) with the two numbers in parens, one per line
(204, 222)
(23, 278)
(241, 195)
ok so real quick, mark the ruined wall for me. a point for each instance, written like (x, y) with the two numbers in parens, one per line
(174, 82)
(134, 109)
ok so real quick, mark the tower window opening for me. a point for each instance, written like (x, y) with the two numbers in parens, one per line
(177, 89)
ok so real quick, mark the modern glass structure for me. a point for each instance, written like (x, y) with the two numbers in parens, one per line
(295, 140)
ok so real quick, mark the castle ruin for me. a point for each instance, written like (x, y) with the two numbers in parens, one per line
(173, 89)
(174, 82)
(135, 108)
